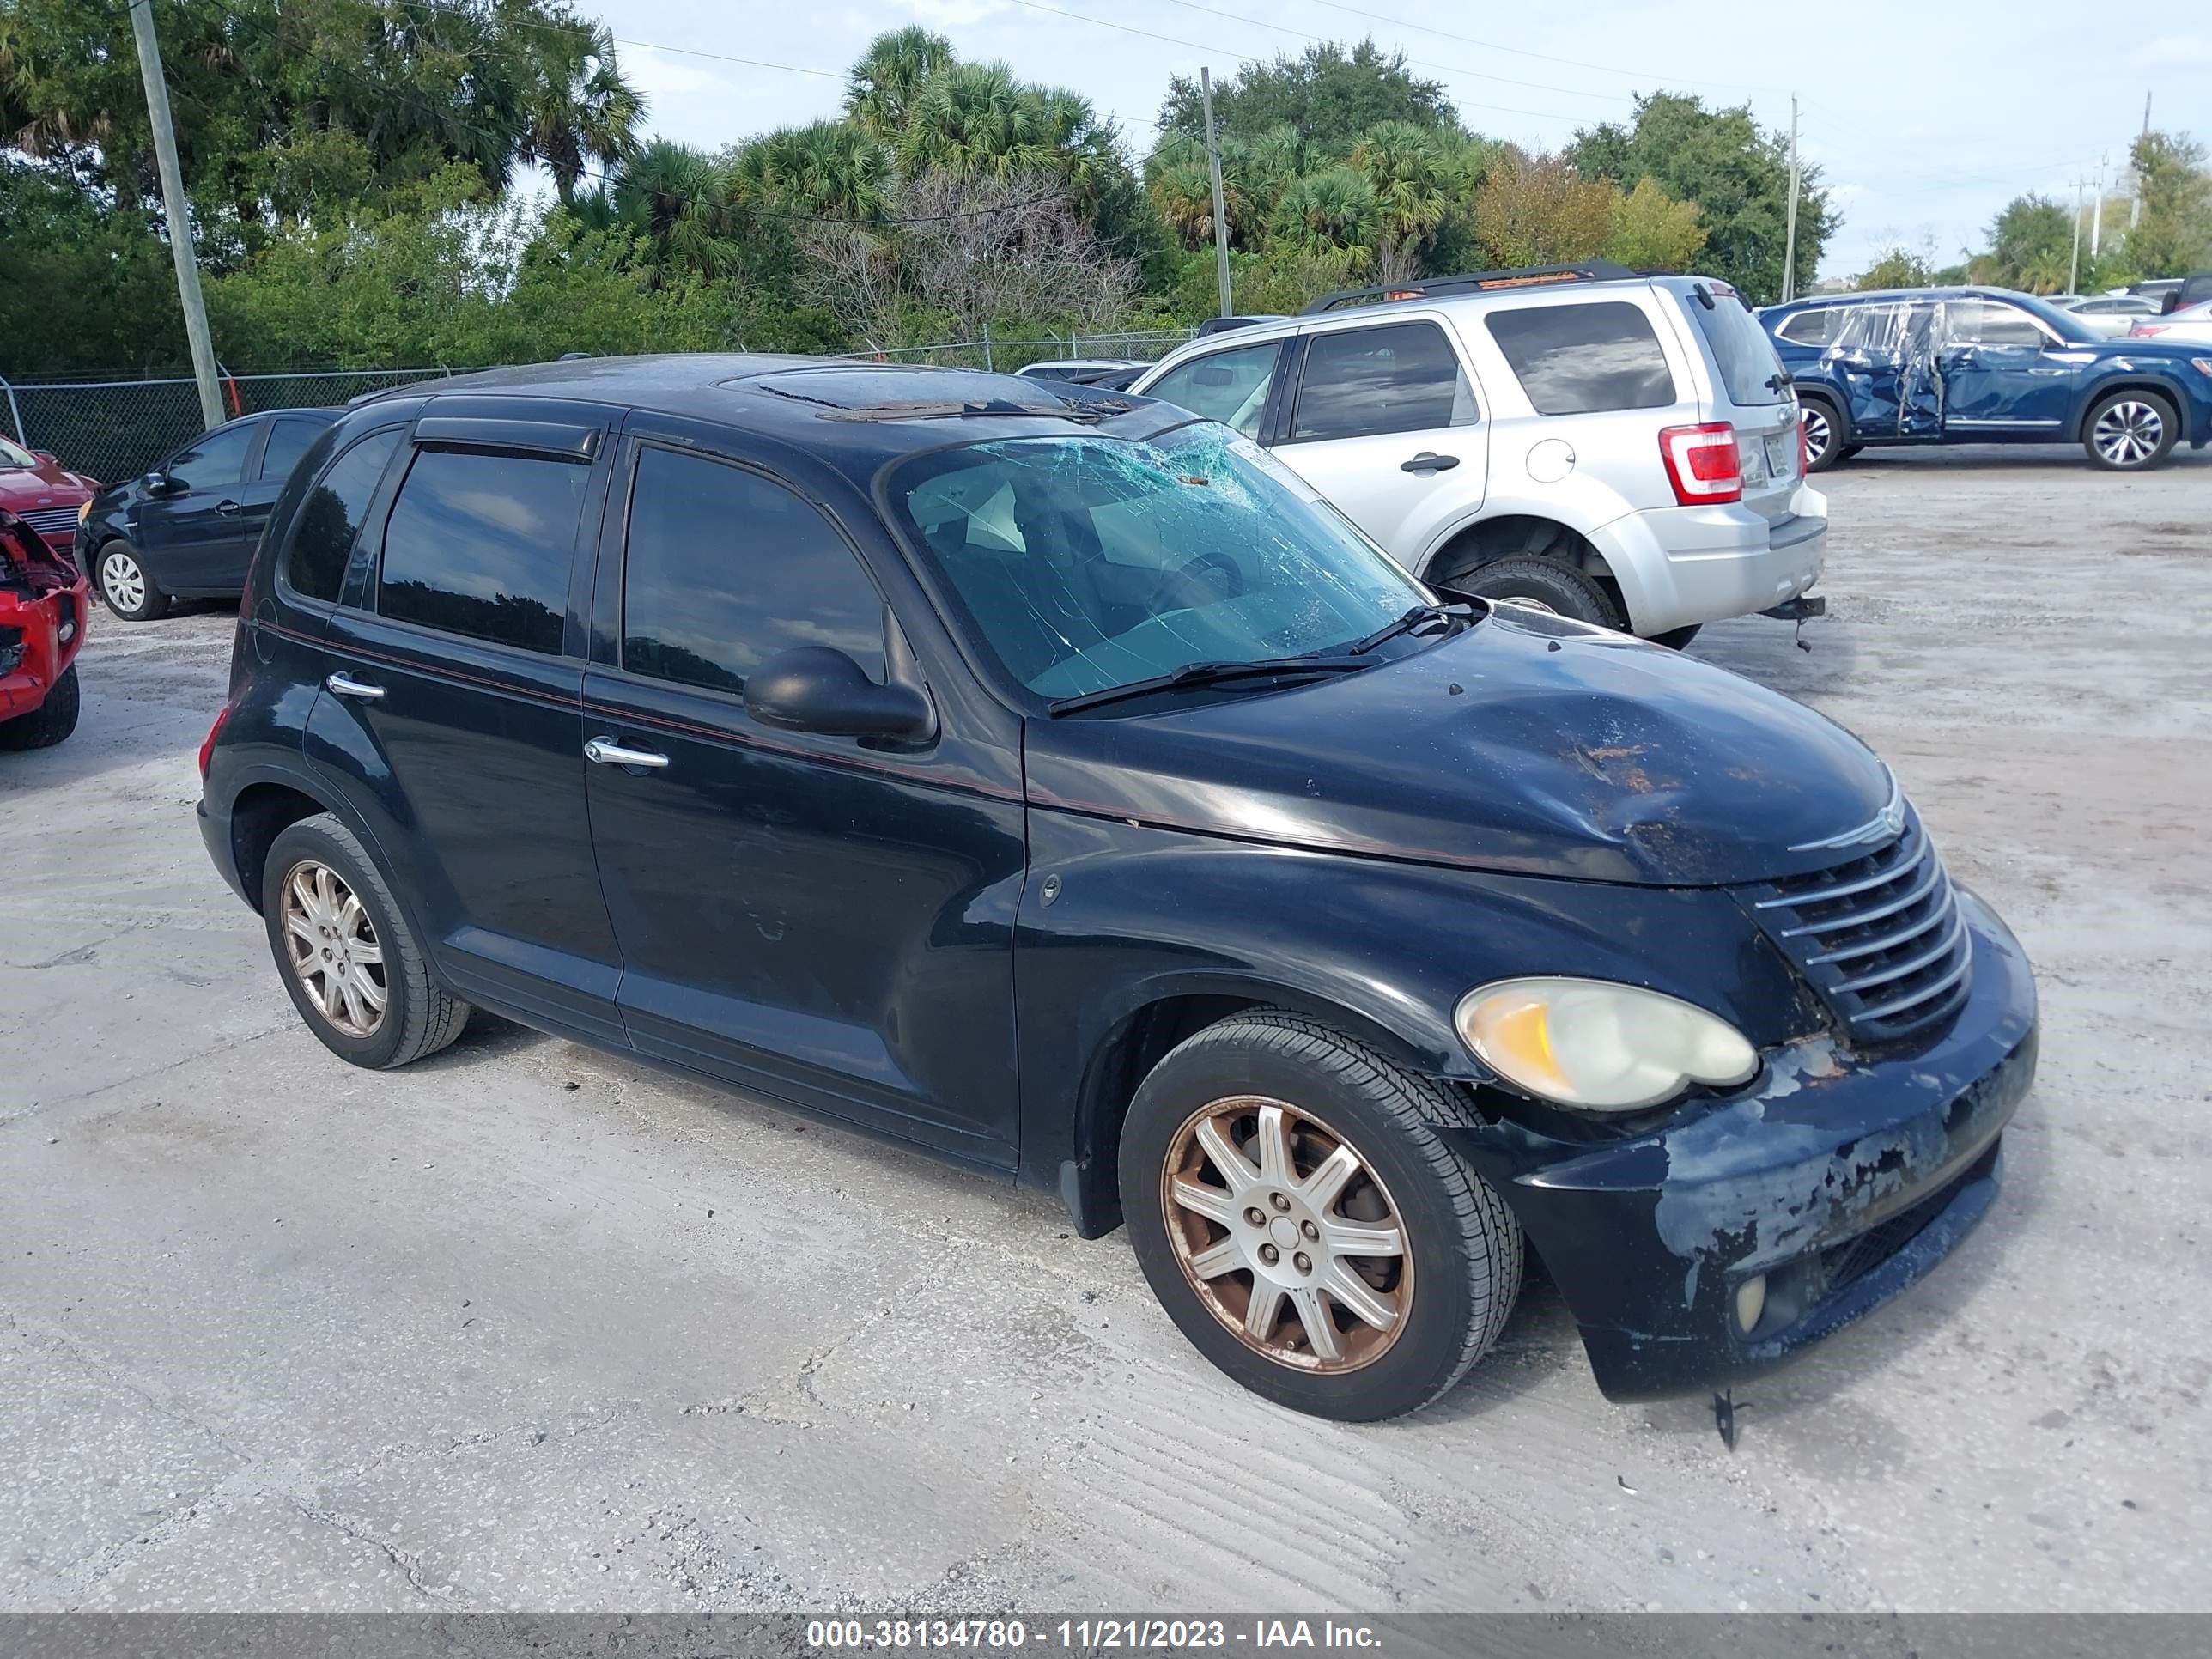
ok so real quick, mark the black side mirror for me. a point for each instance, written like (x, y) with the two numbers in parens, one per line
(813, 688)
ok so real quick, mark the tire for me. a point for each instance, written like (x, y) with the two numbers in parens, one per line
(1447, 1300)
(124, 585)
(1849, 453)
(49, 722)
(1828, 434)
(1551, 585)
(2130, 431)
(417, 1016)
(1675, 639)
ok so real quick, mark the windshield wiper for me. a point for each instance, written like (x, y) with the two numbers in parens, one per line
(1207, 673)
(1421, 616)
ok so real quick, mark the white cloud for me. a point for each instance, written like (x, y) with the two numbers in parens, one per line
(2172, 52)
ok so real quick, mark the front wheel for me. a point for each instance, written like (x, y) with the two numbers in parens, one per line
(2130, 431)
(1544, 584)
(355, 969)
(49, 722)
(1302, 1222)
(125, 587)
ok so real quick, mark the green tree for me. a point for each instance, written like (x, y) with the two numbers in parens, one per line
(833, 169)
(2172, 235)
(682, 205)
(1406, 168)
(1538, 211)
(1334, 211)
(1738, 177)
(1652, 231)
(577, 108)
(1895, 267)
(1328, 95)
(881, 88)
(2031, 246)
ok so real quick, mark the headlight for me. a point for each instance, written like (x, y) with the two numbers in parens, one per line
(2203, 365)
(1600, 1046)
(84, 512)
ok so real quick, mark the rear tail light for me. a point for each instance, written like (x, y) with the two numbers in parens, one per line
(1703, 463)
(2144, 330)
(207, 745)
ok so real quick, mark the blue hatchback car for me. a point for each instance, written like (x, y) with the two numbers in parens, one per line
(1983, 365)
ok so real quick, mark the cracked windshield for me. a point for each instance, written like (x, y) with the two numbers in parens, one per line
(1089, 563)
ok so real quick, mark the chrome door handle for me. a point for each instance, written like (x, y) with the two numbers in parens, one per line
(1428, 461)
(226, 506)
(345, 685)
(607, 752)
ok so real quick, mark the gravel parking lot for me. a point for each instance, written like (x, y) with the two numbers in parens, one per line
(529, 1327)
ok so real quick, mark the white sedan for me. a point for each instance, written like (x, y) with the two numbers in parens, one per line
(2190, 325)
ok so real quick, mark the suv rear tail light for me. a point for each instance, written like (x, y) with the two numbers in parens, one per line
(207, 745)
(1702, 463)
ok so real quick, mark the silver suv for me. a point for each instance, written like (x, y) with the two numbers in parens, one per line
(1617, 448)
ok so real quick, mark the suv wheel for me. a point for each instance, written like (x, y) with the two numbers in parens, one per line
(1544, 584)
(49, 722)
(125, 586)
(1303, 1223)
(2129, 430)
(355, 969)
(1825, 430)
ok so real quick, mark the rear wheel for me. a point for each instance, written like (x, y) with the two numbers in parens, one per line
(2130, 431)
(1675, 638)
(355, 969)
(1547, 584)
(49, 722)
(1826, 443)
(1304, 1225)
(124, 586)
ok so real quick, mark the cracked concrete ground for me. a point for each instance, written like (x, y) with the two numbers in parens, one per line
(529, 1326)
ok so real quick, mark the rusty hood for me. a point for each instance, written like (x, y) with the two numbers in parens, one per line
(1524, 743)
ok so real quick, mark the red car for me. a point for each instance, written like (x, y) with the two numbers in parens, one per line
(43, 598)
(38, 489)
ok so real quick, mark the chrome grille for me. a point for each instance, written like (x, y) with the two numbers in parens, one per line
(1881, 937)
(51, 521)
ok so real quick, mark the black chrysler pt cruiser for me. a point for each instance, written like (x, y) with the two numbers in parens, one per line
(1047, 778)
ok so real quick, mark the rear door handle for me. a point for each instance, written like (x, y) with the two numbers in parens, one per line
(345, 685)
(226, 506)
(607, 752)
(1428, 461)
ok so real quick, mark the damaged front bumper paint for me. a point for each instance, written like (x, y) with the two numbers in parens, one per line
(1841, 1178)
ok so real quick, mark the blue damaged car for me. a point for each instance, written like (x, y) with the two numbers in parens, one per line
(1983, 365)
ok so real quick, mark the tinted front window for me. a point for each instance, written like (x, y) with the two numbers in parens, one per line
(1085, 562)
(1405, 378)
(217, 459)
(288, 441)
(331, 517)
(1228, 386)
(725, 569)
(1750, 371)
(480, 544)
(1580, 359)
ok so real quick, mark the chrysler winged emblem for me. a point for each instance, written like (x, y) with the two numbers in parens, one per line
(1886, 825)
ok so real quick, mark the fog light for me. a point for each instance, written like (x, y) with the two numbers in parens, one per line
(1750, 1303)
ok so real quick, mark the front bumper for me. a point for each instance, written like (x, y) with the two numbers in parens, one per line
(39, 638)
(1679, 565)
(1841, 1178)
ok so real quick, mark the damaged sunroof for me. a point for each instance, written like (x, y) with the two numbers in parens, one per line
(876, 394)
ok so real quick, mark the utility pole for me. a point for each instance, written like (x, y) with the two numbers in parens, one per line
(1220, 213)
(172, 203)
(2135, 174)
(1790, 240)
(2073, 266)
(2097, 212)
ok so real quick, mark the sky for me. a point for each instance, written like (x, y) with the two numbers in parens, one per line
(1925, 118)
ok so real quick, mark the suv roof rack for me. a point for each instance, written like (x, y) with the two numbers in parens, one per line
(1589, 270)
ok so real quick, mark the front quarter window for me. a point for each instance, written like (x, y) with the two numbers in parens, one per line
(1087, 562)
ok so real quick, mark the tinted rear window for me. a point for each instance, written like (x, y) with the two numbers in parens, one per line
(1749, 369)
(1404, 378)
(481, 543)
(331, 517)
(1581, 359)
(288, 441)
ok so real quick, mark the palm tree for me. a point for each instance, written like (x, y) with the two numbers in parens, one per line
(1401, 162)
(880, 89)
(577, 107)
(1269, 165)
(1332, 211)
(681, 200)
(832, 169)
(975, 120)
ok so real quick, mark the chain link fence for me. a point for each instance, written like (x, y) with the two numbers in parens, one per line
(112, 429)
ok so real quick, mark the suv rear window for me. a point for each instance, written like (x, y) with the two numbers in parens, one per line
(1582, 358)
(1749, 369)
(480, 544)
(331, 517)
